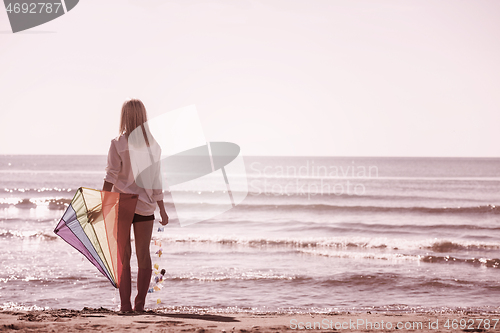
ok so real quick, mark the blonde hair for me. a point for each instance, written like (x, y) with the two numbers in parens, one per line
(133, 115)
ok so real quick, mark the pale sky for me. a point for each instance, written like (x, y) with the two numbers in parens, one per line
(308, 77)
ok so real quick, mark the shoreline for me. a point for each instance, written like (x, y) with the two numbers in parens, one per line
(105, 320)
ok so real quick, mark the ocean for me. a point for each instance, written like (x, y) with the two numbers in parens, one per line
(314, 234)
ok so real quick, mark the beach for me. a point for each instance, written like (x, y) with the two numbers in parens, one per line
(103, 320)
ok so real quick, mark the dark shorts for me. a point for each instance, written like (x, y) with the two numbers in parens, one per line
(142, 218)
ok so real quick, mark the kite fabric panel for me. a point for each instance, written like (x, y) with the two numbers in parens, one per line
(95, 223)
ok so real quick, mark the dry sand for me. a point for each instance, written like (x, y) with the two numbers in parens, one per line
(103, 320)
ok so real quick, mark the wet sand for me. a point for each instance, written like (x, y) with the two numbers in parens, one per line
(104, 320)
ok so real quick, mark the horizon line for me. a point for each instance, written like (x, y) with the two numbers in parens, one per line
(286, 156)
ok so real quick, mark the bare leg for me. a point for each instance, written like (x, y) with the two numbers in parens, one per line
(125, 278)
(143, 232)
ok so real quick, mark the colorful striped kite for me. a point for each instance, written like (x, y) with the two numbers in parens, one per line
(95, 223)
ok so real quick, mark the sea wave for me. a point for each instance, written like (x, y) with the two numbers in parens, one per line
(485, 262)
(482, 209)
(225, 276)
(395, 309)
(380, 243)
(58, 202)
(373, 228)
(291, 243)
(29, 203)
(27, 235)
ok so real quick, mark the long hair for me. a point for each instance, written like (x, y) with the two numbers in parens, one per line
(133, 115)
(147, 171)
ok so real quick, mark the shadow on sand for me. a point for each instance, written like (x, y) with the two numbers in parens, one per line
(206, 317)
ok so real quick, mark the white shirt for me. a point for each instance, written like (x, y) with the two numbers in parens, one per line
(119, 173)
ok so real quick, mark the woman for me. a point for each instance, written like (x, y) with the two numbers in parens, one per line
(120, 178)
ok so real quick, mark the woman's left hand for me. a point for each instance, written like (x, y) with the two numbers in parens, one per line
(164, 217)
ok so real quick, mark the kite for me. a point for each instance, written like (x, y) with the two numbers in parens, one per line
(95, 223)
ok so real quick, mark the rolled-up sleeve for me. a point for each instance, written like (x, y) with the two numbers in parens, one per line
(114, 164)
(157, 195)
